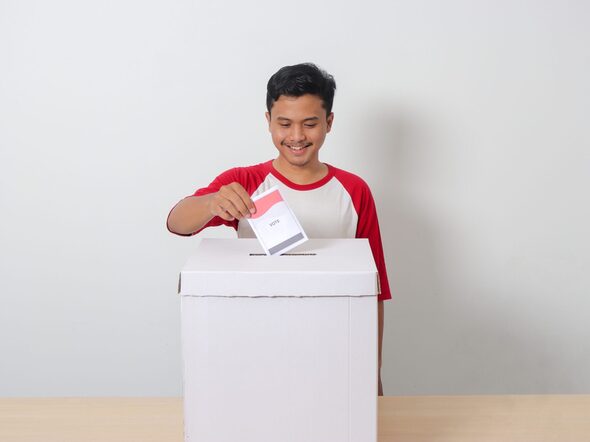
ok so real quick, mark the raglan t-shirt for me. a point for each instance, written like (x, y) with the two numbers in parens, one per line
(340, 205)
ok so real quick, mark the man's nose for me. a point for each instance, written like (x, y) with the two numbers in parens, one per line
(297, 133)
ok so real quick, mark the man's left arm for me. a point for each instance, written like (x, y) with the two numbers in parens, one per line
(368, 227)
(381, 316)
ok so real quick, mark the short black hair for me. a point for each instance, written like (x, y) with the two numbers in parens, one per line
(298, 80)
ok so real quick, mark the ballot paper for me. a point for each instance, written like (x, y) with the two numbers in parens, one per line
(275, 224)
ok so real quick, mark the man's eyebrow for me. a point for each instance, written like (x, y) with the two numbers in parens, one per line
(306, 119)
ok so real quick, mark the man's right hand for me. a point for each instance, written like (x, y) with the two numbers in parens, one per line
(231, 202)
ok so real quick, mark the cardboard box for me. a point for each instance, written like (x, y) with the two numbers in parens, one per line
(280, 348)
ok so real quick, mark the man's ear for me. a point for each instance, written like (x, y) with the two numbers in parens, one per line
(267, 115)
(329, 121)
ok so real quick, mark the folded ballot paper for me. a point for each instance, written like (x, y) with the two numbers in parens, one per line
(275, 224)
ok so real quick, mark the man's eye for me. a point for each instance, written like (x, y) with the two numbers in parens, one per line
(310, 125)
(284, 125)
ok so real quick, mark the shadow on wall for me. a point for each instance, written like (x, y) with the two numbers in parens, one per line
(442, 335)
(398, 140)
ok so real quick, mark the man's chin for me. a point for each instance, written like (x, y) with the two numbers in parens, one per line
(296, 162)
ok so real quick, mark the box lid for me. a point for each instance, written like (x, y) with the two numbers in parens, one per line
(319, 267)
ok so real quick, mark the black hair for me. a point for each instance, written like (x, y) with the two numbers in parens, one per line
(298, 80)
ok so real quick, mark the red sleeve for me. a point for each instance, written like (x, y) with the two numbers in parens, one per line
(227, 177)
(368, 227)
(367, 224)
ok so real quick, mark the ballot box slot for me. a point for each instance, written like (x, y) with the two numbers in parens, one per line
(285, 254)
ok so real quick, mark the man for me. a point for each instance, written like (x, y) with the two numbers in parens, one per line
(329, 202)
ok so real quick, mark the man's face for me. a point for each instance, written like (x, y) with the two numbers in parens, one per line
(298, 126)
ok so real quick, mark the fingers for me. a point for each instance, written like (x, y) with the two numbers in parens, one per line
(244, 198)
(235, 200)
(223, 208)
(232, 202)
(226, 215)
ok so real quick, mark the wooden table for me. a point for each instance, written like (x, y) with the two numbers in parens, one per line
(401, 419)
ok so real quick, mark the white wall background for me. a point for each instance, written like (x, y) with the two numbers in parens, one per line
(469, 119)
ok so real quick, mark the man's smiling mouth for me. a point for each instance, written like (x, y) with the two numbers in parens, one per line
(297, 148)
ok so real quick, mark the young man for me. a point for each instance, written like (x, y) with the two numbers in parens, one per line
(329, 202)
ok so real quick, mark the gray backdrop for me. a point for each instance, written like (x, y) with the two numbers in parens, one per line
(469, 119)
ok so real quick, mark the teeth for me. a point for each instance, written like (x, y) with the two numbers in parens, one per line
(297, 147)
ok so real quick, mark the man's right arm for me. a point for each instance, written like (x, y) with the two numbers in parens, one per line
(192, 213)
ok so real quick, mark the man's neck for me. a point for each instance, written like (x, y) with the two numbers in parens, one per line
(308, 174)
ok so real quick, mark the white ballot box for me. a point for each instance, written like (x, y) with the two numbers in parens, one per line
(280, 348)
